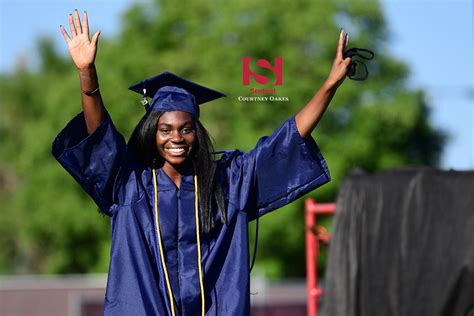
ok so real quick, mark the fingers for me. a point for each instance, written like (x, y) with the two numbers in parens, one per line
(85, 27)
(95, 39)
(72, 27)
(346, 60)
(64, 32)
(75, 24)
(77, 20)
(340, 45)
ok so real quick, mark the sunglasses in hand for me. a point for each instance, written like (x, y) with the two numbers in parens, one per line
(357, 69)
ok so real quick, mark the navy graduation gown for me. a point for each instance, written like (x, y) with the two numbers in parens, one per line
(280, 168)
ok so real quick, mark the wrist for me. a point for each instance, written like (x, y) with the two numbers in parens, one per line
(88, 80)
(91, 92)
(330, 86)
(87, 69)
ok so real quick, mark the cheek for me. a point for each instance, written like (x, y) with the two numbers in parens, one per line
(159, 142)
(191, 140)
(161, 139)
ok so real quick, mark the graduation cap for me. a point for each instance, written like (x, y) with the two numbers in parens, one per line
(170, 92)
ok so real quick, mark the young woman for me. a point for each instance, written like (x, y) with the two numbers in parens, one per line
(179, 217)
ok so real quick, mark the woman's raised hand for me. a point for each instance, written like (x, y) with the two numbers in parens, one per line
(340, 64)
(81, 48)
(307, 119)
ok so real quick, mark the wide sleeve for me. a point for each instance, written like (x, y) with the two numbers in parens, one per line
(93, 160)
(281, 168)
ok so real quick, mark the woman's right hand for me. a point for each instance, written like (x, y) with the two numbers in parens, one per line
(81, 48)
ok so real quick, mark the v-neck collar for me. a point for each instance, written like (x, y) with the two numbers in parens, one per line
(166, 183)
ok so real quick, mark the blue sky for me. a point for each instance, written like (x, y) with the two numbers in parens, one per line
(434, 37)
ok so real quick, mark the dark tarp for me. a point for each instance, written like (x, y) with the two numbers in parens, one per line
(402, 244)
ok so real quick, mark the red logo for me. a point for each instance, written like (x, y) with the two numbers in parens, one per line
(262, 63)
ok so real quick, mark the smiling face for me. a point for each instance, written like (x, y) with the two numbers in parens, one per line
(175, 138)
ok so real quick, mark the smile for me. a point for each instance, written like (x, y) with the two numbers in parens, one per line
(176, 150)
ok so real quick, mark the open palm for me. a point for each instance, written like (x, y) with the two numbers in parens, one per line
(81, 48)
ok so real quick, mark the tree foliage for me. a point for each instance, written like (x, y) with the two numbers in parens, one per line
(50, 226)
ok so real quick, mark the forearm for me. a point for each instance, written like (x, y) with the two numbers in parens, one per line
(309, 116)
(92, 105)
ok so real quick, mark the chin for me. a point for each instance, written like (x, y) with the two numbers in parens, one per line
(178, 162)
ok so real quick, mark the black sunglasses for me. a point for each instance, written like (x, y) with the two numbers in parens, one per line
(357, 69)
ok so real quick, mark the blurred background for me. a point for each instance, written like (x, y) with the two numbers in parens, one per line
(416, 108)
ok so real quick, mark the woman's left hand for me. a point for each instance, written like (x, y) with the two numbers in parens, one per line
(340, 65)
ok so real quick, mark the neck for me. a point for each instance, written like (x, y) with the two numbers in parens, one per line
(175, 172)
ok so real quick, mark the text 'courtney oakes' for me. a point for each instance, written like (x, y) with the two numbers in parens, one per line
(271, 98)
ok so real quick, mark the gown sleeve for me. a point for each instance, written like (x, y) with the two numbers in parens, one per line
(93, 160)
(281, 168)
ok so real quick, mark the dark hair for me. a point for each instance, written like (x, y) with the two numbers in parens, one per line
(142, 144)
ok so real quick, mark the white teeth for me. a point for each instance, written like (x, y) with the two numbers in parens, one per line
(176, 150)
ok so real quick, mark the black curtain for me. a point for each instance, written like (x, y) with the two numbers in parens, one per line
(402, 244)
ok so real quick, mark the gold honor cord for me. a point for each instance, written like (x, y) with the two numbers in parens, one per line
(157, 223)
(198, 239)
(163, 264)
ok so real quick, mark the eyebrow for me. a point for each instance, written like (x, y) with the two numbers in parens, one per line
(184, 124)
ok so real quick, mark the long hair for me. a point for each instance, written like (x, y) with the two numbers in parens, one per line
(142, 144)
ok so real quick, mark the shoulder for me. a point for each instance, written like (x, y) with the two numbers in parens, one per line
(131, 184)
(225, 157)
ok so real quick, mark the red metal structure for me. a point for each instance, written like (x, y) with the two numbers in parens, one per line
(314, 234)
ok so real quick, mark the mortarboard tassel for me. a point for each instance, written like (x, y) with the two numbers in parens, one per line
(145, 102)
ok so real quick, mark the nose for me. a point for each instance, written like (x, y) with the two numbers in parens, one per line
(177, 137)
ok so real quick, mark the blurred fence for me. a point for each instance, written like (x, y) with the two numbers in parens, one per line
(83, 295)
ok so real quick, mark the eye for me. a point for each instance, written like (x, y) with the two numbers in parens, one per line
(165, 131)
(187, 130)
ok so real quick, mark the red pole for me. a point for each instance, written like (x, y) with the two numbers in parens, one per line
(311, 257)
(312, 251)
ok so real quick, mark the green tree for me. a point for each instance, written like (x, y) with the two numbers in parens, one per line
(51, 226)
